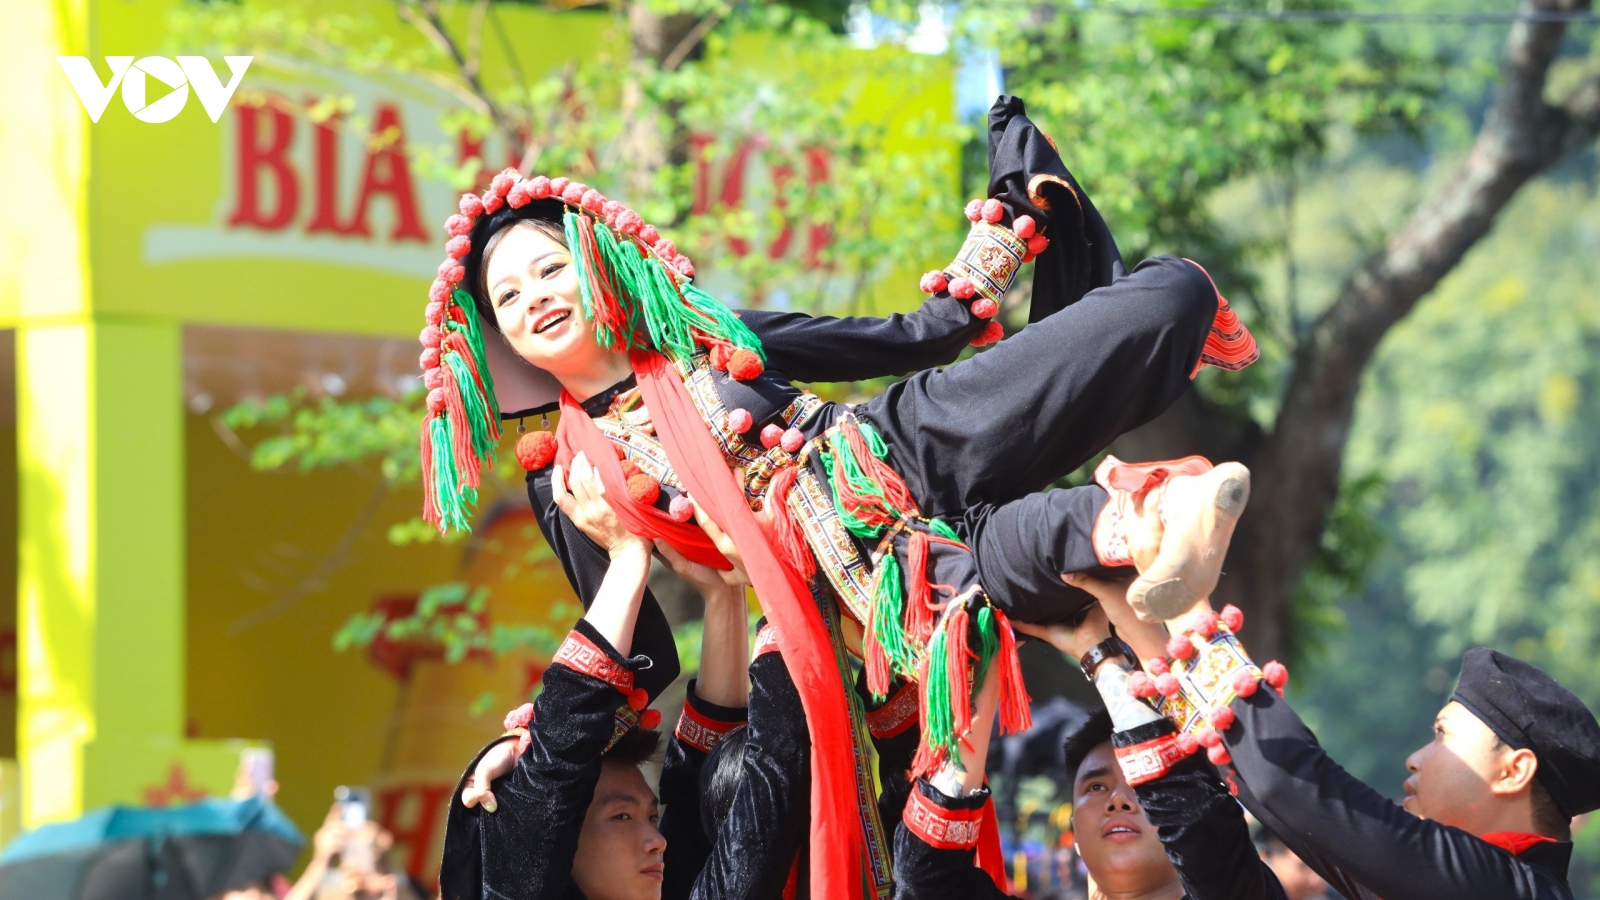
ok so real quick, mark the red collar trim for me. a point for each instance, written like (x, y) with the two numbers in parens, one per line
(1516, 842)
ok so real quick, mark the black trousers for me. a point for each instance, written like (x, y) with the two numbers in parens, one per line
(976, 440)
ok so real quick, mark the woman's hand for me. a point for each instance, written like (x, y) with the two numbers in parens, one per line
(497, 763)
(1073, 640)
(581, 497)
(713, 584)
(1148, 639)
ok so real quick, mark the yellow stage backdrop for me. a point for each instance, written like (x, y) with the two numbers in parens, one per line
(172, 604)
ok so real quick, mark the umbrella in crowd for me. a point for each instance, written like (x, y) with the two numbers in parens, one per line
(129, 853)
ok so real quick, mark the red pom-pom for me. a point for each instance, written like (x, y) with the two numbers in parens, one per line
(573, 192)
(519, 717)
(644, 489)
(520, 195)
(492, 202)
(433, 312)
(666, 249)
(685, 266)
(629, 467)
(719, 356)
(1233, 617)
(539, 187)
(436, 401)
(628, 222)
(558, 186)
(1157, 665)
(1027, 258)
(1142, 685)
(992, 333)
(741, 421)
(1187, 745)
(458, 225)
(1222, 718)
(1179, 647)
(1205, 624)
(974, 210)
(611, 209)
(984, 308)
(470, 206)
(593, 201)
(1037, 244)
(439, 291)
(501, 184)
(1168, 685)
(1023, 226)
(457, 247)
(429, 359)
(535, 450)
(745, 365)
(1218, 755)
(1208, 737)
(1276, 674)
(962, 288)
(433, 378)
(1245, 682)
(771, 435)
(934, 282)
(993, 211)
(638, 699)
(430, 336)
(649, 719)
(681, 508)
(649, 234)
(793, 439)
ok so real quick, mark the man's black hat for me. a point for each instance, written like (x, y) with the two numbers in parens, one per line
(1530, 711)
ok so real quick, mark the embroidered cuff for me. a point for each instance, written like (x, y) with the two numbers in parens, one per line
(766, 639)
(896, 716)
(587, 653)
(1210, 678)
(942, 822)
(702, 725)
(990, 258)
(1151, 750)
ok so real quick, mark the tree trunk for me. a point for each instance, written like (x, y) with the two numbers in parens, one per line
(652, 137)
(1296, 467)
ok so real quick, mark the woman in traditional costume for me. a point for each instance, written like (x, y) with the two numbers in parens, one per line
(874, 518)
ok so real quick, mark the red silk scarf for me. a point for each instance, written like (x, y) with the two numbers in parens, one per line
(838, 847)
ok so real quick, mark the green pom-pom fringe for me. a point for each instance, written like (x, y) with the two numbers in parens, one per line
(888, 602)
(479, 414)
(473, 331)
(455, 502)
(936, 697)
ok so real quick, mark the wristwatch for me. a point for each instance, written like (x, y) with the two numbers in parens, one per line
(1106, 649)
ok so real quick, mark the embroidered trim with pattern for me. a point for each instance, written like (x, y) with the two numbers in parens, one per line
(580, 654)
(766, 640)
(699, 731)
(940, 828)
(1142, 763)
(895, 717)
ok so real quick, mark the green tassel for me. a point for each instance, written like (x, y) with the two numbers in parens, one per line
(888, 602)
(569, 224)
(455, 504)
(988, 645)
(938, 526)
(941, 726)
(474, 335)
(856, 479)
(479, 415)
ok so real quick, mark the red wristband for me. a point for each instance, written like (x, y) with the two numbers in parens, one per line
(580, 654)
(895, 717)
(940, 828)
(766, 640)
(700, 731)
(1142, 763)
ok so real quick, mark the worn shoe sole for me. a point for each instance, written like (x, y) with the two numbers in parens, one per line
(1186, 570)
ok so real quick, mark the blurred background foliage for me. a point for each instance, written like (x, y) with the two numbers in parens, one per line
(1280, 154)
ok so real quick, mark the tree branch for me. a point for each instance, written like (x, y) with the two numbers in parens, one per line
(691, 41)
(424, 16)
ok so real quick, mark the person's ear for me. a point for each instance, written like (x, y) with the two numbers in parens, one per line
(1517, 770)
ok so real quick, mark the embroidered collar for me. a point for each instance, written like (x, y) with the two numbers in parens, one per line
(1516, 842)
(600, 403)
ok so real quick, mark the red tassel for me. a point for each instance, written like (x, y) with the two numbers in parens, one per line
(607, 311)
(1016, 708)
(877, 662)
(457, 343)
(919, 613)
(926, 759)
(956, 668)
(786, 533)
(460, 431)
(430, 503)
(894, 487)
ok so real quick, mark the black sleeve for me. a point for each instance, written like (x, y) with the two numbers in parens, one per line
(524, 850)
(1202, 827)
(1354, 836)
(925, 872)
(586, 564)
(855, 348)
(770, 817)
(688, 845)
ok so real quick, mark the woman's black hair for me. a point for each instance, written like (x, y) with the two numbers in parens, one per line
(719, 779)
(490, 229)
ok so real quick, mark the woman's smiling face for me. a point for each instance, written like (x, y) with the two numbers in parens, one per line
(532, 286)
